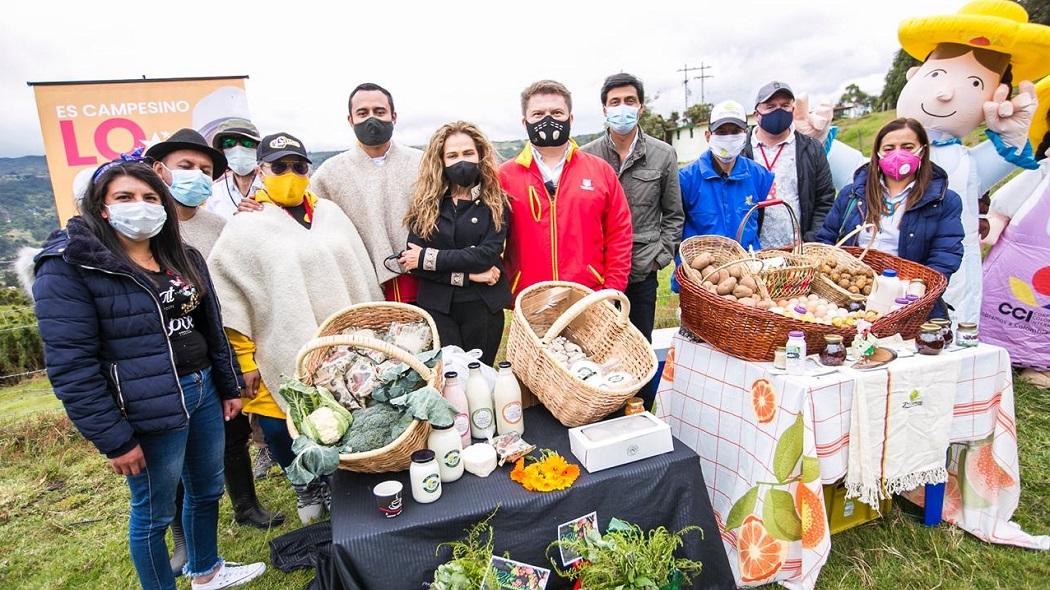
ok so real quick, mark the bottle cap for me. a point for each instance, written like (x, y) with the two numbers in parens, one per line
(474, 365)
(504, 364)
(796, 334)
(423, 456)
(889, 272)
(451, 375)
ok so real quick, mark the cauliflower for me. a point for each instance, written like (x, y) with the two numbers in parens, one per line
(326, 426)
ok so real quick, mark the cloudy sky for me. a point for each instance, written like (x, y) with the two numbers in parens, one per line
(444, 60)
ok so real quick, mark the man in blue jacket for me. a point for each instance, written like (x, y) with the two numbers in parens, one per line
(721, 186)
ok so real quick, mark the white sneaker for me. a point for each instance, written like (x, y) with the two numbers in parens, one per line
(232, 574)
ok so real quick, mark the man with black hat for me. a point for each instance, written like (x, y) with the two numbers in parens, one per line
(187, 164)
(237, 139)
(799, 166)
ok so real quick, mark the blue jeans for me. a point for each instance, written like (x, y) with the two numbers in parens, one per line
(194, 455)
(278, 440)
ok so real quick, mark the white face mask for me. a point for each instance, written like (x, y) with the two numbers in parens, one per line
(137, 221)
(241, 160)
(727, 147)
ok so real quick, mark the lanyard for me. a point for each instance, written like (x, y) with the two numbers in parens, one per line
(769, 165)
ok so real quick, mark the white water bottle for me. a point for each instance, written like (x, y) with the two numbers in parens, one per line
(479, 399)
(796, 353)
(884, 292)
(457, 396)
(507, 399)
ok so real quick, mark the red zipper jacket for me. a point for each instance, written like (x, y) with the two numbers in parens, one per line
(580, 234)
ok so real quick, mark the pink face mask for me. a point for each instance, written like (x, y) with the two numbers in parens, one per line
(899, 163)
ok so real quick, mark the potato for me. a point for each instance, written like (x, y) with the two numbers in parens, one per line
(703, 260)
(764, 304)
(721, 276)
(726, 286)
(844, 284)
(710, 288)
(835, 277)
(853, 289)
(706, 271)
(825, 269)
(866, 289)
(743, 291)
(707, 284)
(749, 283)
(833, 263)
(729, 297)
(747, 301)
(734, 271)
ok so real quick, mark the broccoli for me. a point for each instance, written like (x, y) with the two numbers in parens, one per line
(375, 427)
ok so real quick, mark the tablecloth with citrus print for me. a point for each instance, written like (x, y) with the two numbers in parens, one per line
(768, 441)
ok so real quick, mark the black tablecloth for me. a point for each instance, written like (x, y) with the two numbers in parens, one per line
(370, 552)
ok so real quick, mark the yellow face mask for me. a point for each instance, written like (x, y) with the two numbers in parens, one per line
(286, 190)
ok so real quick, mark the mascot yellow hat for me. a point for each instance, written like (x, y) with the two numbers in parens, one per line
(1039, 124)
(996, 25)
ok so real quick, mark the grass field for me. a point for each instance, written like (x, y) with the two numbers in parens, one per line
(63, 514)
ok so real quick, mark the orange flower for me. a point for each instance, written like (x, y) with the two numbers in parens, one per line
(551, 472)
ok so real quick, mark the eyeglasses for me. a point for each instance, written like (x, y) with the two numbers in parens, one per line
(232, 142)
(300, 168)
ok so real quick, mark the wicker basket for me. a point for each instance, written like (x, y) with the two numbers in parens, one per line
(794, 276)
(823, 285)
(726, 254)
(544, 311)
(397, 455)
(754, 334)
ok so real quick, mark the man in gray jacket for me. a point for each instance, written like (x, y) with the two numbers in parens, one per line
(648, 171)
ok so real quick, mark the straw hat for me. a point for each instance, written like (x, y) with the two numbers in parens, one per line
(997, 25)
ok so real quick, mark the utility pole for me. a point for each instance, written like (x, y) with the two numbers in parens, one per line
(685, 82)
(702, 77)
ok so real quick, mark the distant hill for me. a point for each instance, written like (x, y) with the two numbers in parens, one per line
(27, 205)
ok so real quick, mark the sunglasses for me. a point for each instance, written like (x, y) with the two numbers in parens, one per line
(232, 142)
(300, 168)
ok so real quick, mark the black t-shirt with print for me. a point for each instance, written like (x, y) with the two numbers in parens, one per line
(181, 303)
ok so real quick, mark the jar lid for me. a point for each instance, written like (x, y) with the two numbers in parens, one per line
(636, 402)
(832, 338)
(930, 327)
(901, 300)
(801, 309)
(967, 326)
(912, 298)
(782, 349)
(504, 364)
(423, 456)
(918, 281)
(889, 272)
(795, 334)
(941, 322)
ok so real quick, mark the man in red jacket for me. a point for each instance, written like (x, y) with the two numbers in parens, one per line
(569, 217)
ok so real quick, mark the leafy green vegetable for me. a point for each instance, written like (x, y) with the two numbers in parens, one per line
(629, 559)
(470, 560)
(374, 427)
(304, 400)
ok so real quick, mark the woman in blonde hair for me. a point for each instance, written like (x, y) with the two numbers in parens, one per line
(457, 226)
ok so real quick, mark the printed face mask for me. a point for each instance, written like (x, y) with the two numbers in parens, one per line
(241, 160)
(190, 187)
(727, 147)
(622, 119)
(286, 190)
(548, 132)
(373, 132)
(137, 221)
(899, 163)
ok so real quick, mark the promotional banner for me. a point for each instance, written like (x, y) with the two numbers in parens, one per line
(86, 124)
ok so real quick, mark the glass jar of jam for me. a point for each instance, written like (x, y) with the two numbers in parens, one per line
(946, 330)
(930, 339)
(635, 405)
(856, 303)
(834, 353)
(967, 333)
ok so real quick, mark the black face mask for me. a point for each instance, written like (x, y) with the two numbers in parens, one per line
(373, 132)
(548, 132)
(776, 122)
(463, 173)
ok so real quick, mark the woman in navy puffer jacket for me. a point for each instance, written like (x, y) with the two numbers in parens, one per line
(136, 352)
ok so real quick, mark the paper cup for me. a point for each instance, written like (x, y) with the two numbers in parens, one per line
(388, 498)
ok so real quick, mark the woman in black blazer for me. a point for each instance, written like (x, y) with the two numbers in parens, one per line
(457, 227)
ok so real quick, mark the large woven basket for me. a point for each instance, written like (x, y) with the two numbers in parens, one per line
(546, 310)
(397, 455)
(726, 254)
(754, 334)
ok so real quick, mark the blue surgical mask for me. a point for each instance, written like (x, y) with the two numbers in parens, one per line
(190, 187)
(241, 160)
(622, 119)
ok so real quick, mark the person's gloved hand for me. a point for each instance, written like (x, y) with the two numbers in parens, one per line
(814, 124)
(1011, 118)
(997, 222)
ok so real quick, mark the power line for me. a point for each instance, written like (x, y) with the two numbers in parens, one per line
(686, 69)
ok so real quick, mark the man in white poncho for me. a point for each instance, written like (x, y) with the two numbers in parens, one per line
(279, 273)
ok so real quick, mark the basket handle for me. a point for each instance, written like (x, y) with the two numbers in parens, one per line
(362, 342)
(856, 231)
(580, 306)
(797, 246)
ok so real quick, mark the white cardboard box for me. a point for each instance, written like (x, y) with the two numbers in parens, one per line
(619, 441)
